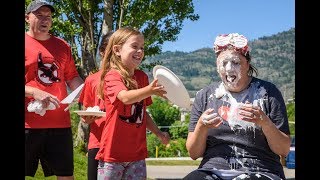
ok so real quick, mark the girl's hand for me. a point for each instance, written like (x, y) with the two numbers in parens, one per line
(164, 137)
(157, 89)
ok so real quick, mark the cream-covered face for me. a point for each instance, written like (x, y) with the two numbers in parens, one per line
(233, 70)
(131, 52)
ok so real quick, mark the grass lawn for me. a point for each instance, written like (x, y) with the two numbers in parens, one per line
(80, 169)
(80, 166)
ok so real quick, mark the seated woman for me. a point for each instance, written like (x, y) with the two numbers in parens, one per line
(239, 125)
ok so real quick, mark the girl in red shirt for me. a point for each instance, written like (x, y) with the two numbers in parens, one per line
(126, 93)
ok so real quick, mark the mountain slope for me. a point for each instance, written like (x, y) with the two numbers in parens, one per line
(273, 56)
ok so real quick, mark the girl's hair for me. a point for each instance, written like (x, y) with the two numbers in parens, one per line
(104, 42)
(112, 61)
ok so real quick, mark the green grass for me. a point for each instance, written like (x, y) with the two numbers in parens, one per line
(40, 176)
(80, 166)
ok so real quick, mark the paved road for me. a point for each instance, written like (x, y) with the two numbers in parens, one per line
(178, 172)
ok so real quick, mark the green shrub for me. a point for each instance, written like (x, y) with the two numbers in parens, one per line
(163, 113)
(74, 119)
(291, 117)
(176, 148)
(179, 130)
(152, 143)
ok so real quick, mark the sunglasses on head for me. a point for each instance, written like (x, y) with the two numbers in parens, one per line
(233, 40)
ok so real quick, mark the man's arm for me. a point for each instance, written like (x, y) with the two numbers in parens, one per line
(75, 82)
(42, 96)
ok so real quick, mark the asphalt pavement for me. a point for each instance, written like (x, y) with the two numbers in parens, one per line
(178, 172)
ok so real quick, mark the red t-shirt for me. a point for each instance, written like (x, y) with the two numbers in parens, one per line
(89, 98)
(48, 65)
(124, 134)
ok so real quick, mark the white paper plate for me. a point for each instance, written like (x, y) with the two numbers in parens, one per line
(176, 91)
(90, 113)
(72, 95)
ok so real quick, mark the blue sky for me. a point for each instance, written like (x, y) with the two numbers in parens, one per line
(252, 18)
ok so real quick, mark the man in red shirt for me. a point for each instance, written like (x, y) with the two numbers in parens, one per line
(49, 69)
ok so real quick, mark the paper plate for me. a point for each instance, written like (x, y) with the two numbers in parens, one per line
(72, 95)
(176, 91)
(90, 113)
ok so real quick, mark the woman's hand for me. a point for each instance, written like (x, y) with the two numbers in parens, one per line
(210, 119)
(251, 113)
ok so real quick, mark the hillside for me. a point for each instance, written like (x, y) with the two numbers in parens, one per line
(273, 56)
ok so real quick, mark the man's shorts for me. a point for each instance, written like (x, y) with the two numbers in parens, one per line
(53, 148)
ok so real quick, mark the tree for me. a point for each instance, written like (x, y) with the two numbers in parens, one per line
(82, 22)
(163, 113)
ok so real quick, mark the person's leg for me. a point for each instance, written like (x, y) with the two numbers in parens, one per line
(59, 153)
(47, 170)
(33, 142)
(135, 170)
(92, 164)
(108, 170)
(205, 175)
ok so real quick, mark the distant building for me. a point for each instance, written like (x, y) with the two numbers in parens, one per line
(185, 111)
(292, 100)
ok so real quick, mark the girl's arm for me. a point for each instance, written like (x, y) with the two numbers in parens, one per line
(136, 95)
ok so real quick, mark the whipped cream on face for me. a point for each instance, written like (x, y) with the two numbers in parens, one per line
(229, 68)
